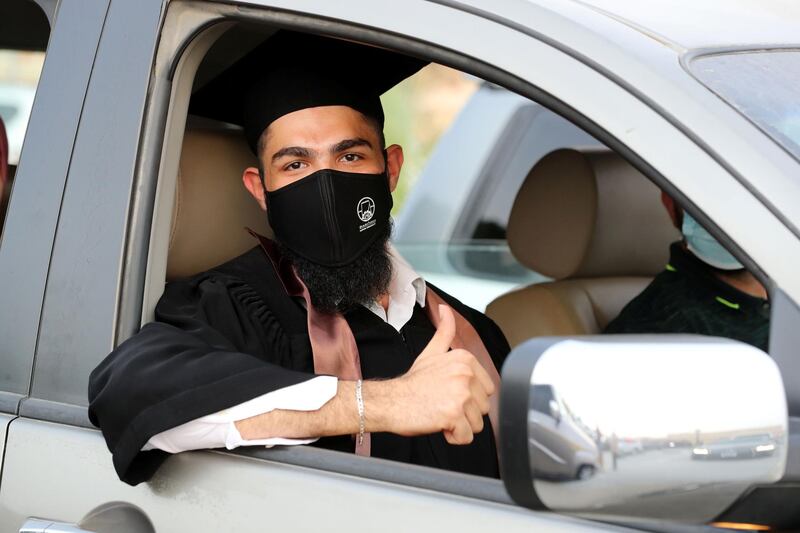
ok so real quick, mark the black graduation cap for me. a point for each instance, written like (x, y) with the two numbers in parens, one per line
(291, 71)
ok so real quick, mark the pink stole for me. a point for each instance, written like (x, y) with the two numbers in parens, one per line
(334, 347)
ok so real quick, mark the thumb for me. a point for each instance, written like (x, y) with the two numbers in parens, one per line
(443, 338)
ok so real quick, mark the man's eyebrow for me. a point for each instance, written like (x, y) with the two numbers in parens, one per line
(346, 144)
(293, 151)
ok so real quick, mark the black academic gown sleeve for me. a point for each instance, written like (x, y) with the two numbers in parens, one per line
(214, 345)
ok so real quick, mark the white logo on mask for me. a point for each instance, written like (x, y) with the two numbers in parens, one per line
(365, 209)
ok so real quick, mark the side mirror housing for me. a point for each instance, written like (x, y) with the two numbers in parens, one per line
(648, 426)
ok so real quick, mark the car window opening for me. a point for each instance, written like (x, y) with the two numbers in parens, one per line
(524, 223)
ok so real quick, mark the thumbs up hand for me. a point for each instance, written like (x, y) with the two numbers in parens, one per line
(444, 390)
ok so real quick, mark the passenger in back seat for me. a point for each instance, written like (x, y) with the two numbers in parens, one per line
(703, 290)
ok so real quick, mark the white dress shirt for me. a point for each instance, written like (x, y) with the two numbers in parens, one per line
(219, 429)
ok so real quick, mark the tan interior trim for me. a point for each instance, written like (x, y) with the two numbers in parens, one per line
(571, 307)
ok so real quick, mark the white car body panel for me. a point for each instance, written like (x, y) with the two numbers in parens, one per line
(215, 492)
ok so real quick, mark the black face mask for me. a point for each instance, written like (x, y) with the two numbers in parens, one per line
(330, 217)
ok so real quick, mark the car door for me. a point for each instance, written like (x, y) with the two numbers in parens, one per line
(35, 178)
(103, 278)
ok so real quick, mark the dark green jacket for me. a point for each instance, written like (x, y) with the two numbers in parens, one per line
(688, 298)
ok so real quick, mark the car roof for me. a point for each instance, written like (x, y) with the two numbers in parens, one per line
(679, 24)
(693, 24)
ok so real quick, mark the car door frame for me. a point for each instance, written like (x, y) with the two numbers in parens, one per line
(29, 229)
(702, 203)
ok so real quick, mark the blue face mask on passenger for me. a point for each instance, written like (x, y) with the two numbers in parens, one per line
(705, 247)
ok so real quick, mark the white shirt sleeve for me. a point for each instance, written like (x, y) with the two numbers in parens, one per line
(218, 429)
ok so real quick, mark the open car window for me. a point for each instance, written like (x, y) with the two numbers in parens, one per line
(500, 200)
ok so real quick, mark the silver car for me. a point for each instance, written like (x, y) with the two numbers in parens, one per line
(739, 447)
(699, 96)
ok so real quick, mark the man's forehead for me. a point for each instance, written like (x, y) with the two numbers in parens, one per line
(318, 126)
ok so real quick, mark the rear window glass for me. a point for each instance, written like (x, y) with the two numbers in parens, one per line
(24, 32)
(764, 86)
(19, 75)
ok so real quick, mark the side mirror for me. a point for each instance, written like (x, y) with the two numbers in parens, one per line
(657, 426)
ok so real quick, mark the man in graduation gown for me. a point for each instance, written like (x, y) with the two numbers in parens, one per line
(325, 334)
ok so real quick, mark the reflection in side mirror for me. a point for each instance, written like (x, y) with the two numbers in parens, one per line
(653, 427)
(555, 411)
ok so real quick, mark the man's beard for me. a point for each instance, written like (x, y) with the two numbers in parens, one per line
(337, 289)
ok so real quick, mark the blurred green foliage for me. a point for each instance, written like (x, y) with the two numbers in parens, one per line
(418, 111)
(401, 107)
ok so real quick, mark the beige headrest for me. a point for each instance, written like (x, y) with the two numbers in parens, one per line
(589, 214)
(212, 207)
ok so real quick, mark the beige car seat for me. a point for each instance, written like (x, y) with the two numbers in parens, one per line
(212, 207)
(595, 225)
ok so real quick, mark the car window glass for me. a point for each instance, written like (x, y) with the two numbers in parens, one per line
(488, 150)
(21, 60)
(764, 86)
(453, 227)
(458, 237)
(452, 239)
(24, 31)
(419, 111)
(19, 75)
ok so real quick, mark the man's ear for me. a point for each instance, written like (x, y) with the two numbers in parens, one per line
(252, 182)
(674, 210)
(394, 162)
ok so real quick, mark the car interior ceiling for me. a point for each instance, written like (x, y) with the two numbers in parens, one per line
(229, 48)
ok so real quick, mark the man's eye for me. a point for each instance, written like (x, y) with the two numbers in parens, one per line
(351, 158)
(294, 165)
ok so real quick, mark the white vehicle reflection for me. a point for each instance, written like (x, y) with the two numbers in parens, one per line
(567, 449)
